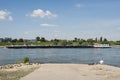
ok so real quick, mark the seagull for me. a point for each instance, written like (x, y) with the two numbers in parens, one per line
(101, 61)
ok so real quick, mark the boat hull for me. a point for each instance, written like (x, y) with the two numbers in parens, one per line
(20, 47)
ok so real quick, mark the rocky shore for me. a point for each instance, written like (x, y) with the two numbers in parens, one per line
(16, 71)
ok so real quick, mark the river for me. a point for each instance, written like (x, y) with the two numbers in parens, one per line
(111, 56)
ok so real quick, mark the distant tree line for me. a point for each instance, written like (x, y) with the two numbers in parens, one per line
(43, 41)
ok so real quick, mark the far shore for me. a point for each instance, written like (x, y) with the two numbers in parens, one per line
(111, 46)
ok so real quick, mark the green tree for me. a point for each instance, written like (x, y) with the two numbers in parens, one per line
(75, 39)
(43, 39)
(21, 40)
(101, 39)
(105, 41)
(57, 40)
(14, 40)
(90, 41)
(37, 38)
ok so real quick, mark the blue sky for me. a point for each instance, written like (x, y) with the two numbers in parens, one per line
(63, 19)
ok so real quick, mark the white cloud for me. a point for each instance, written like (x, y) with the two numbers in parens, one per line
(39, 13)
(5, 15)
(78, 5)
(48, 25)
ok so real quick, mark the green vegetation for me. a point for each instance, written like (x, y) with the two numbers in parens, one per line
(26, 60)
(10, 72)
(42, 41)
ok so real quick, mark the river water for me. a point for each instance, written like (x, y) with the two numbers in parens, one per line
(111, 56)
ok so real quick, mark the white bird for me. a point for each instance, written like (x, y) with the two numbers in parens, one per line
(101, 61)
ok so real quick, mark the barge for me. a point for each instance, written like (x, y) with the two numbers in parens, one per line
(55, 46)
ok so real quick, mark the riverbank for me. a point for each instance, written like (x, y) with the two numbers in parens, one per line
(59, 72)
(74, 72)
(16, 71)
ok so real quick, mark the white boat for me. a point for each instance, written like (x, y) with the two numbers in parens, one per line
(96, 45)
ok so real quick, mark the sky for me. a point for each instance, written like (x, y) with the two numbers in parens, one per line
(62, 19)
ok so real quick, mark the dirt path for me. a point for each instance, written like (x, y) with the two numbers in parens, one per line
(74, 72)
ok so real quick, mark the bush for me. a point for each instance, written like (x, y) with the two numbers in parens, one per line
(26, 60)
(18, 62)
